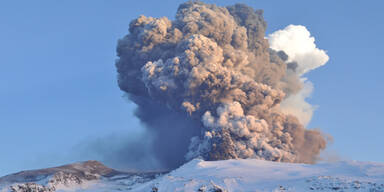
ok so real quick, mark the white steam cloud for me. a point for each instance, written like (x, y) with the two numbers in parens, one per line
(297, 42)
(297, 105)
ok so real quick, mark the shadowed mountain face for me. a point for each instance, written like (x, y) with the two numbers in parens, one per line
(88, 170)
(70, 177)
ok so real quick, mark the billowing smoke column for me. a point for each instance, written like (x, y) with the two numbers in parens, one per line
(208, 85)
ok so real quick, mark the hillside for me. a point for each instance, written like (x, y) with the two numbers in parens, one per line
(205, 176)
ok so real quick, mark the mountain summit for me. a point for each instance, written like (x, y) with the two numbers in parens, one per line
(88, 170)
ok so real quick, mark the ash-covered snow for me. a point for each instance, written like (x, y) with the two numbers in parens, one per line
(209, 176)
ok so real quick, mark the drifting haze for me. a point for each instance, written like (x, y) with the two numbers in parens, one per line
(210, 85)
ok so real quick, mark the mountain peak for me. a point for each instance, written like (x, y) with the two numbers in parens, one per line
(82, 169)
(69, 177)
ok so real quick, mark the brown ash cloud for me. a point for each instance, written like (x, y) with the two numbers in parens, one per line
(208, 85)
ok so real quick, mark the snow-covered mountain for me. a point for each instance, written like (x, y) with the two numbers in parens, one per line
(83, 176)
(204, 176)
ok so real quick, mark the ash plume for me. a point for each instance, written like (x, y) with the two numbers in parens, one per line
(209, 85)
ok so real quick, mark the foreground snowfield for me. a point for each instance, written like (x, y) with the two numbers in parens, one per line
(229, 175)
(258, 175)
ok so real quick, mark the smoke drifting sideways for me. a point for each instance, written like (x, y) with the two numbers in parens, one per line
(210, 85)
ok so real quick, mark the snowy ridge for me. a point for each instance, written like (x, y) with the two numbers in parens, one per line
(257, 175)
(242, 175)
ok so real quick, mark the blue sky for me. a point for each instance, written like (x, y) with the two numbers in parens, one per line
(58, 82)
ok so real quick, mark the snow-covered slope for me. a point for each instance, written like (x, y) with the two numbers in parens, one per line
(206, 176)
(258, 175)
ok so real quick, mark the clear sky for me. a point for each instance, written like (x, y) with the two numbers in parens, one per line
(58, 84)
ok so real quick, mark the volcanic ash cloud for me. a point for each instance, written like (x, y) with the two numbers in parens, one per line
(208, 85)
